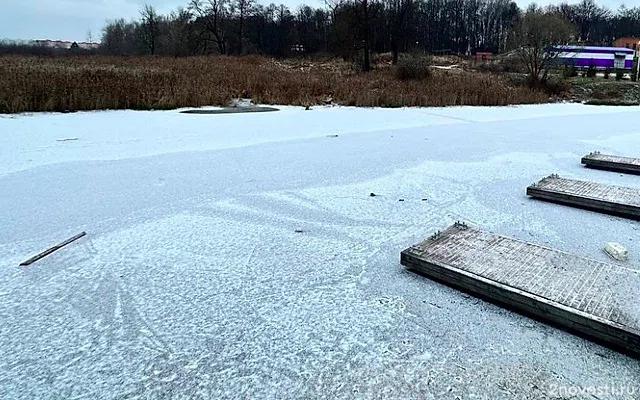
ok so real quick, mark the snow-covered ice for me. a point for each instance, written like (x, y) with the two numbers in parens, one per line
(193, 283)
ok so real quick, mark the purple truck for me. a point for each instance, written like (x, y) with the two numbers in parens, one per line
(583, 57)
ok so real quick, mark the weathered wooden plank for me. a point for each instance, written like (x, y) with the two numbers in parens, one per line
(593, 299)
(612, 163)
(52, 249)
(608, 199)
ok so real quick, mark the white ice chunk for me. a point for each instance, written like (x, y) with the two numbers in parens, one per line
(616, 251)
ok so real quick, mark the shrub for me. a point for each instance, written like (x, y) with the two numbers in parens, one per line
(502, 66)
(556, 86)
(606, 73)
(414, 69)
(591, 72)
(489, 67)
(610, 102)
(513, 65)
(382, 58)
(619, 75)
(569, 71)
(358, 60)
(519, 80)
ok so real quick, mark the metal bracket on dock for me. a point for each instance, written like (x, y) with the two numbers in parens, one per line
(461, 225)
(435, 235)
(552, 176)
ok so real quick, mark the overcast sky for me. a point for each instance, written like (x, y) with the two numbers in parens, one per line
(75, 19)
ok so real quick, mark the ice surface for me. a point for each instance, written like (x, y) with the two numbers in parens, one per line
(193, 284)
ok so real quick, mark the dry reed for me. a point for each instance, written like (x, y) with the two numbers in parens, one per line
(29, 84)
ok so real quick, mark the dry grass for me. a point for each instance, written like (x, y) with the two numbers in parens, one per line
(611, 102)
(96, 83)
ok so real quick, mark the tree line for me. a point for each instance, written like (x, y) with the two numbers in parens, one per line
(350, 27)
(345, 28)
(354, 29)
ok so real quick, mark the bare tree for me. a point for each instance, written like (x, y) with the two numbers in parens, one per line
(342, 37)
(399, 12)
(537, 38)
(149, 24)
(364, 17)
(242, 9)
(587, 14)
(119, 37)
(179, 33)
(215, 15)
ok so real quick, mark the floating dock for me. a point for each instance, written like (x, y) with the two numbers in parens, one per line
(608, 199)
(612, 163)
(593, 299)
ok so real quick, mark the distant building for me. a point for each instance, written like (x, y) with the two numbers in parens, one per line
(583, 57)
(628, 43)
(64, 44)
(483, 56)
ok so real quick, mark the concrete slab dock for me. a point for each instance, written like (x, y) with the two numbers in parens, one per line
(599, 197)
(612, 163)
(593, 299)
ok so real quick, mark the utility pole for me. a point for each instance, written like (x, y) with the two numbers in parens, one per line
(637, 60)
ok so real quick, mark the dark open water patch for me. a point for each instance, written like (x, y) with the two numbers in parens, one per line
(231, 110)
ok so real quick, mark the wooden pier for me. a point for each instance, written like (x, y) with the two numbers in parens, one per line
(593, 299)
(612, 163)
(608, 199)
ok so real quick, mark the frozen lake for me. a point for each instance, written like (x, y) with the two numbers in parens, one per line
(195, 282)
